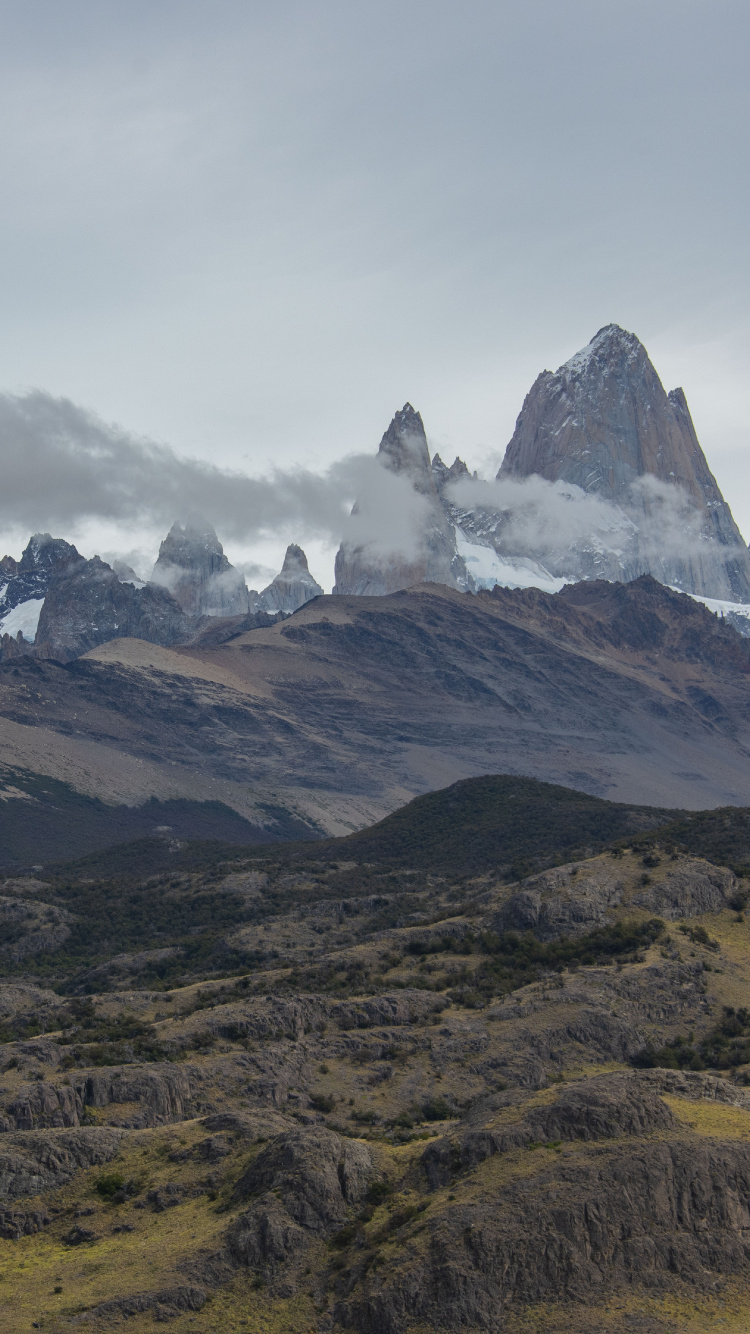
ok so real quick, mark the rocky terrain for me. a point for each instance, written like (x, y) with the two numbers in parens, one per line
(55, 604)
(307, 1089)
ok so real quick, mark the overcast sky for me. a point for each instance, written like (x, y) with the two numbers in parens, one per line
(252, 230)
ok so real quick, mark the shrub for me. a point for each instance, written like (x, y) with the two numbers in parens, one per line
(322, 1102)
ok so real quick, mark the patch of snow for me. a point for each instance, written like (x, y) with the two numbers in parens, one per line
(24, 617)
(721, 607)
(488, 569)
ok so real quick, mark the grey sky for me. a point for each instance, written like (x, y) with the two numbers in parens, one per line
(252, 230)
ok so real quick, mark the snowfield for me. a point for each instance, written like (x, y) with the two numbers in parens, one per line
(488, 569)
(24, 617)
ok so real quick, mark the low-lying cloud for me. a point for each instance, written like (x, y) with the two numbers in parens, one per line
(532, 516)
(63, 467)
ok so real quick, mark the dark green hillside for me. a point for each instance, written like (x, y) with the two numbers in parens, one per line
(51, 822)
(721, 836)
(503, 824)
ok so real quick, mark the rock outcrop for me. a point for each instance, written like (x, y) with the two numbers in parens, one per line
(293, 586)
(33, 1162)
(302, 1185)
(374, 568)
(603, 422)
(87, 605)
(192, 566)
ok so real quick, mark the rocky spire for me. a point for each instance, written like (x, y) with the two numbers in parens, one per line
(293, 586)
(604, 422)
(192, 566)
(403, 449)
(365, 570)
(443, 474)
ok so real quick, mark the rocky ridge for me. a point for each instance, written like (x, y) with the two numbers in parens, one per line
(353, 705)
(55, 604)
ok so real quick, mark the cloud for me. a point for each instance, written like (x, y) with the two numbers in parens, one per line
(532, 516)
(62, 468)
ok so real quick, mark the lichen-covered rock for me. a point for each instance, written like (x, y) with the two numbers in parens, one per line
(594, 1109)
(43, 1105)
(16, 1223)
(38, 1161)
(693, 888)
(164, 1305)
(164, 1092)
(302, 1184)
(316, 1173)
(590, 1223)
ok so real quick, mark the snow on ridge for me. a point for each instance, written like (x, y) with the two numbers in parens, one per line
(487, 568)
(578, 363)
(718, 605)
(24, 617)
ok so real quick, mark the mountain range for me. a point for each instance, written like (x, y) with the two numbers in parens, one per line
(335, 715)
(604, 478)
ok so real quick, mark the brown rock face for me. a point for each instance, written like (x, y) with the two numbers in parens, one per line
(403, 450)
(604, 422)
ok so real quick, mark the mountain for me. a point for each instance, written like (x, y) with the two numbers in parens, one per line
(23, 587)
(603, 422)
(192, 566)
(293, 586)
(380, 567)
(86, 604)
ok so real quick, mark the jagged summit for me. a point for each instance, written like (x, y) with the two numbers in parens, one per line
(87, 604)
(293, 586)
(443, 474)
(192, 566)
(609, 343)
(24, 583)
(604, 422)
(403, 448)
(375, 569)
